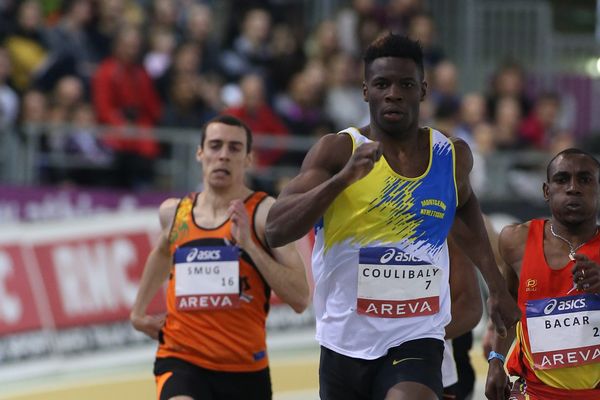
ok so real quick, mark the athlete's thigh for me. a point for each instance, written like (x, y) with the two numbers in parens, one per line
(177, 379)
(410, 391)
(415, 367)
(345, 378)
(242, 385)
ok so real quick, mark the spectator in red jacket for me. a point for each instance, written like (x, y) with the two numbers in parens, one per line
(124, 96)
(259, 116)
(541, 125)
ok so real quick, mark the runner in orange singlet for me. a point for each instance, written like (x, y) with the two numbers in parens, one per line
(212, 343)
(553, 267)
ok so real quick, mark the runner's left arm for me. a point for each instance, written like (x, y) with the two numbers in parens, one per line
(465, 294)
(473, 239)
(284, 271)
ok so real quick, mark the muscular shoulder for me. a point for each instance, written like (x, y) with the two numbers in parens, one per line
(464, 156)
(512, 242)
(331, 153)
(463, 160)
(325, 159)
(514, 232)
(166, 212)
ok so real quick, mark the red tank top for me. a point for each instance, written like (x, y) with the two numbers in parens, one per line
(548, 289)
(222, 329)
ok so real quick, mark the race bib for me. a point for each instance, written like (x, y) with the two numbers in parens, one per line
(564, 331)
(395, 284)
(207, 278)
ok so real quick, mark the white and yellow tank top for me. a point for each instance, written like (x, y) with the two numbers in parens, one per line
(380, 259)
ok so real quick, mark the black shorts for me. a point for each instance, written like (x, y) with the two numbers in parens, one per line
(176, 377)
(347, 378)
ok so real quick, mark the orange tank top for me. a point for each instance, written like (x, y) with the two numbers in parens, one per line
(217, 300)
(563, 361)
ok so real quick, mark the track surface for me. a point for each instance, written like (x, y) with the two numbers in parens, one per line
(294, 375)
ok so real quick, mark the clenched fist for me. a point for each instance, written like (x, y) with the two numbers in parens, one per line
(361, 163)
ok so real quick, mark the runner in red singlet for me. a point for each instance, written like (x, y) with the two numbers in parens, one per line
(553, 269)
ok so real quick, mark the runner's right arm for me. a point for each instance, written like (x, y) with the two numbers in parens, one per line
(156, 272)
(512, 248)
(329, 168)
(488, 336)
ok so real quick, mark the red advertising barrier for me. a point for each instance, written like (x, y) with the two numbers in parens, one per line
(69, 285)
(93, 279)
(18, 311)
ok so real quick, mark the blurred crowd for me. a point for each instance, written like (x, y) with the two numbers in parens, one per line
(177, 63)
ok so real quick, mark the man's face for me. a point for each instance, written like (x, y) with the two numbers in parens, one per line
(572, 190)
(223, 156)
(128, 46)
(393, 88)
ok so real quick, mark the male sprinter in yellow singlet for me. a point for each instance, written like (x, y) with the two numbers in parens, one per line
(382, 202)
(212, 250)
(553, 269)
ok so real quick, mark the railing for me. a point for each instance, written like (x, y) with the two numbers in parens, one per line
(22, 161)
(507, 175)
(479, 35)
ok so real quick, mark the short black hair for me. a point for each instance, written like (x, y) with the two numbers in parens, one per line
(231, 121)
(572, 151)
(393, 45)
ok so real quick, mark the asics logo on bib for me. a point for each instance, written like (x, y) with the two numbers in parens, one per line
(550, 306)
(203, 255)
(398, 256)
(563, 305)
